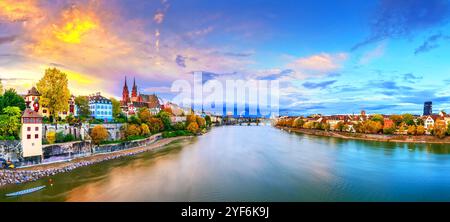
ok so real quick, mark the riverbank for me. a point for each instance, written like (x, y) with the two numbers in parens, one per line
(371, 137)
(33, 173)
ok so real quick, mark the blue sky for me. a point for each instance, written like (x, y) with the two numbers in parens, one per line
(329, 56)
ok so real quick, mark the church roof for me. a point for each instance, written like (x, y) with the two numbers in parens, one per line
(152, 100)
(33, 92)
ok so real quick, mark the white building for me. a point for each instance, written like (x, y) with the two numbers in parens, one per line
(31, 135)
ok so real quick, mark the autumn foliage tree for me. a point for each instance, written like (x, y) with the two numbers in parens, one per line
(54, 91)
(192, 127)
(99, 134)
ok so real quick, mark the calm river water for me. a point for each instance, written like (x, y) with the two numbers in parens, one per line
(259, 163)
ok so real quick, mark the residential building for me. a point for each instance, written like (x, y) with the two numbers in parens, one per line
(100, 107)
(31, 135)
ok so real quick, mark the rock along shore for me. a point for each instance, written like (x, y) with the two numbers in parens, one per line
(33, 173)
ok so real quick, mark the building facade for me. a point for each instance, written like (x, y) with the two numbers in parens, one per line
(31, 135)
(100, 107)
(428, 108)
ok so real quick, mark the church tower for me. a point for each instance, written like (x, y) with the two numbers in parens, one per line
(125, 93)
(134, 93)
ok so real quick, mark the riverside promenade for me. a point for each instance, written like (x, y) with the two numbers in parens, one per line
(33, 173)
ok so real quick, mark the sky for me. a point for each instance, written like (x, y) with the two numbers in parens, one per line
(330, 57)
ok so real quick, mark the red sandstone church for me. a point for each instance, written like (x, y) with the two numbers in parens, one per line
(130, 105)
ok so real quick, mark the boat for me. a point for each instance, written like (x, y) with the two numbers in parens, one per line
(27, 191)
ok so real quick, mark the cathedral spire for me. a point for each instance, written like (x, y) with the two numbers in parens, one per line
(125, 93)
(134, 90)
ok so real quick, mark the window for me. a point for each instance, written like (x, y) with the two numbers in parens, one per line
(28, 136)
(28, 128)
(36, 136)
(45, 111)
(36, 129)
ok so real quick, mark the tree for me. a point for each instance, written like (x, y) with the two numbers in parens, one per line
(155, 125)
(116, 110)
(133, 130)
(99, 134)
(420, 130)
(298, 122)
(165, 118)
(11, 98)
(10, 121)
(190, 118)
(192, 127)
(82, 103)
(448, 128)
(135, 120)
(144, 114)
(440, 129)
(1, 87)
(389, 130)
(54, 91)
(145, 130)
(371, 126)
(408, 119)
(397, 119)
(377, 118)
(208, 121)
(51, 137)
(339, 126)
(201, 122)
(412, 130)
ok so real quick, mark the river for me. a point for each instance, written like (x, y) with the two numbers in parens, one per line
(259, 163)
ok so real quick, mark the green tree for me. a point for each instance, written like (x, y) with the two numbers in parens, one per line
(12, 99)
(116, 110)
(377, 118)
(82, 103)
(408, 119)
(10, 121)
(165, 118)
(208, 121)
(54, 91)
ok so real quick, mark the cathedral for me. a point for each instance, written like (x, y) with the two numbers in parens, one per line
(130, 104)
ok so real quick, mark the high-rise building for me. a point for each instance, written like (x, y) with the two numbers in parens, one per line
(428, 108)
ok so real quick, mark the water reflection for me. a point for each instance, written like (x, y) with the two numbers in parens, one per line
(249, 163)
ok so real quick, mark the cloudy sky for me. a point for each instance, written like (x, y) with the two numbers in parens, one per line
(386, 56)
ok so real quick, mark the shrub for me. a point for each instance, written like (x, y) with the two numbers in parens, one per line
(389, 130)
(51, 137)
(69, 138)
(99, 134)
(179, 126)
(59, 137)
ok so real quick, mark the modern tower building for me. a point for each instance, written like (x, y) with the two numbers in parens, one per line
(428, 108)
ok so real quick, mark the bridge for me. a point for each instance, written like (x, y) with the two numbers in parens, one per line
(242, 121)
